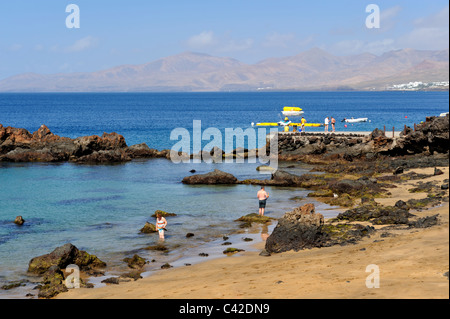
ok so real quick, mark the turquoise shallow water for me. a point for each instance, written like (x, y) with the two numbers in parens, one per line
(101, 208)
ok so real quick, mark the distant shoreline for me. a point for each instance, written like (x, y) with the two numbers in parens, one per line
(223, 91)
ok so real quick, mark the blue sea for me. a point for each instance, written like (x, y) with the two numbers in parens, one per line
(101, 208)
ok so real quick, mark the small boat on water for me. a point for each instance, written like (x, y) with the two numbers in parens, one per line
(288, 111)
(443, 114)
(357, 120)
(292, 111)
(281, 123)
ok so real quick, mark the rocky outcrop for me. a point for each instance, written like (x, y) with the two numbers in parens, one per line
(378, 215)
(62, 257)
(330, 188)
(211, 178)
(247, 220)
(278, 178)
(19, 145)
(50, 267)
(135, 262)
(52, 283)
(295, 146)
(430, 137)
(148, 228)
(427, 138)
(296, 230)
(19, 220)
(163, 213)
(303, 228)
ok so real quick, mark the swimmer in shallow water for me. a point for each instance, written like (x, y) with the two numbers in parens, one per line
(262, 196)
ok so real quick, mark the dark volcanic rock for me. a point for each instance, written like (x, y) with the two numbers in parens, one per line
(425, 222)
(135, 262)
(254, 218)
(303, 228)
(296, 230)
(163, 213)
(50, 266)
(211, 178)
(379, 215)
(148, 228)
(62, 257)
(111, 280)
(19, 220)
(428, 138)
(19, 145)
(52, 283)
(104, 156)
(279, 178)
(166, 266)
(141, 151)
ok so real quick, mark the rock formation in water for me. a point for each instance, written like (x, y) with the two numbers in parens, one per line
(214, 177)
(19, 145)
(428, 138)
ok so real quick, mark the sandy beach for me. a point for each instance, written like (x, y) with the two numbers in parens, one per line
(412, 263)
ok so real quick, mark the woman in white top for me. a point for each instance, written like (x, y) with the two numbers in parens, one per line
(326, 124)
(161, 224)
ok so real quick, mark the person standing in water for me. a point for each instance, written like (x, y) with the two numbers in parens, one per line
(333, 124)
(262, 196)
(161, 224)
(303, 122)
(286, 124)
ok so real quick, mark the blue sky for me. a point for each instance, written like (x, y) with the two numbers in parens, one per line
(34, 36)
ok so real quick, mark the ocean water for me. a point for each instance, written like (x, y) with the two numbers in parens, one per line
(101, 208)
(150, 117)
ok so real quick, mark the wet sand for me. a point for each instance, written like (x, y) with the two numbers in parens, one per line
(412, 264)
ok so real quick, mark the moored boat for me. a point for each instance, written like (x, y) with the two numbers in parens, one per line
(292, 111)
(357, 120)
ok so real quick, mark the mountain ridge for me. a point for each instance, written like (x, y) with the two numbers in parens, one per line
(314, 69)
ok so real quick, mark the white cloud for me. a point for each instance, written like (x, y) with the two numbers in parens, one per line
(429, 33)
(82, 44)
(426, 39)
(438, 20)
(389, 15)
(388, 18)
(208, 41)
(202, 40)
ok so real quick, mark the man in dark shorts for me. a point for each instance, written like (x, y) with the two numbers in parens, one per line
(262, 196)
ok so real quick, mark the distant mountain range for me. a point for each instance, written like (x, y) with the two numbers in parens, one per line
(314, 69)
